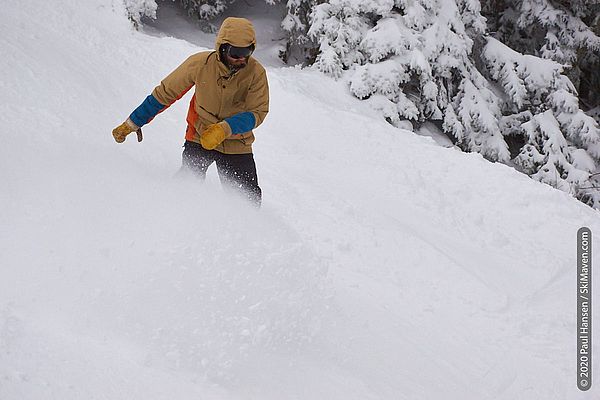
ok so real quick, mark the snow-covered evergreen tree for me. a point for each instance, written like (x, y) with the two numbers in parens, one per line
(299, 45)
(136, 9)
(561, 142)
(413, 60)
(205, 9)
(564, 31)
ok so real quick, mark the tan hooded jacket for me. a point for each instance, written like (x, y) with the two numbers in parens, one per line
(219, 94)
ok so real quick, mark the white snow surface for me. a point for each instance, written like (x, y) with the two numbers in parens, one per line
(381, 266)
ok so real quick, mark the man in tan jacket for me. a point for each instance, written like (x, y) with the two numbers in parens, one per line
(231, 98)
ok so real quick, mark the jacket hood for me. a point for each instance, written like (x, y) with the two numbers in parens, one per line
(237, 32)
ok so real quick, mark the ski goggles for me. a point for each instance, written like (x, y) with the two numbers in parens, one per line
(240, 52)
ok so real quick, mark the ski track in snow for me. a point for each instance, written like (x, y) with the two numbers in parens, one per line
(381, 266)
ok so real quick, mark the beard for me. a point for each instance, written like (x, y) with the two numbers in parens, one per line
(237, 67)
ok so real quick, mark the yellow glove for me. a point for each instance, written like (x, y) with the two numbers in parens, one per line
(214, 134)
(121, 131)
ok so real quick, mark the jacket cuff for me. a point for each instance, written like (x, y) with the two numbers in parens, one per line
(146, 111)
(226, 128)
(132, 124)
(242, 122)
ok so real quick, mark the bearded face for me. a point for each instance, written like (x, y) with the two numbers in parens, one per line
(235, 58)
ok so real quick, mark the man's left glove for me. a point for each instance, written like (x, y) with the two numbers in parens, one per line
(214, 135)
(121, 131)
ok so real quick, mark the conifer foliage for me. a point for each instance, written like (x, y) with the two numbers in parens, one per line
(550, 78)
(140, 8)
(563, 31)
(299, 46)
(205, 9)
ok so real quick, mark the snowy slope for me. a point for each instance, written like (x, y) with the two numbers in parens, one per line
(381, 266)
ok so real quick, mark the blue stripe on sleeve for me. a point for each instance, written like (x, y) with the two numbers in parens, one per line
(146, 111)
(242, 122)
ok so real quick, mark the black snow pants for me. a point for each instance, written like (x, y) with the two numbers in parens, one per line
(236, 171)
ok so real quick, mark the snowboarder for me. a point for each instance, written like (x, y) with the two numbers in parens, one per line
(231, 98)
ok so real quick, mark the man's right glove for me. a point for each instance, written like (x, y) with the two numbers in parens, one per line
(121, 131)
